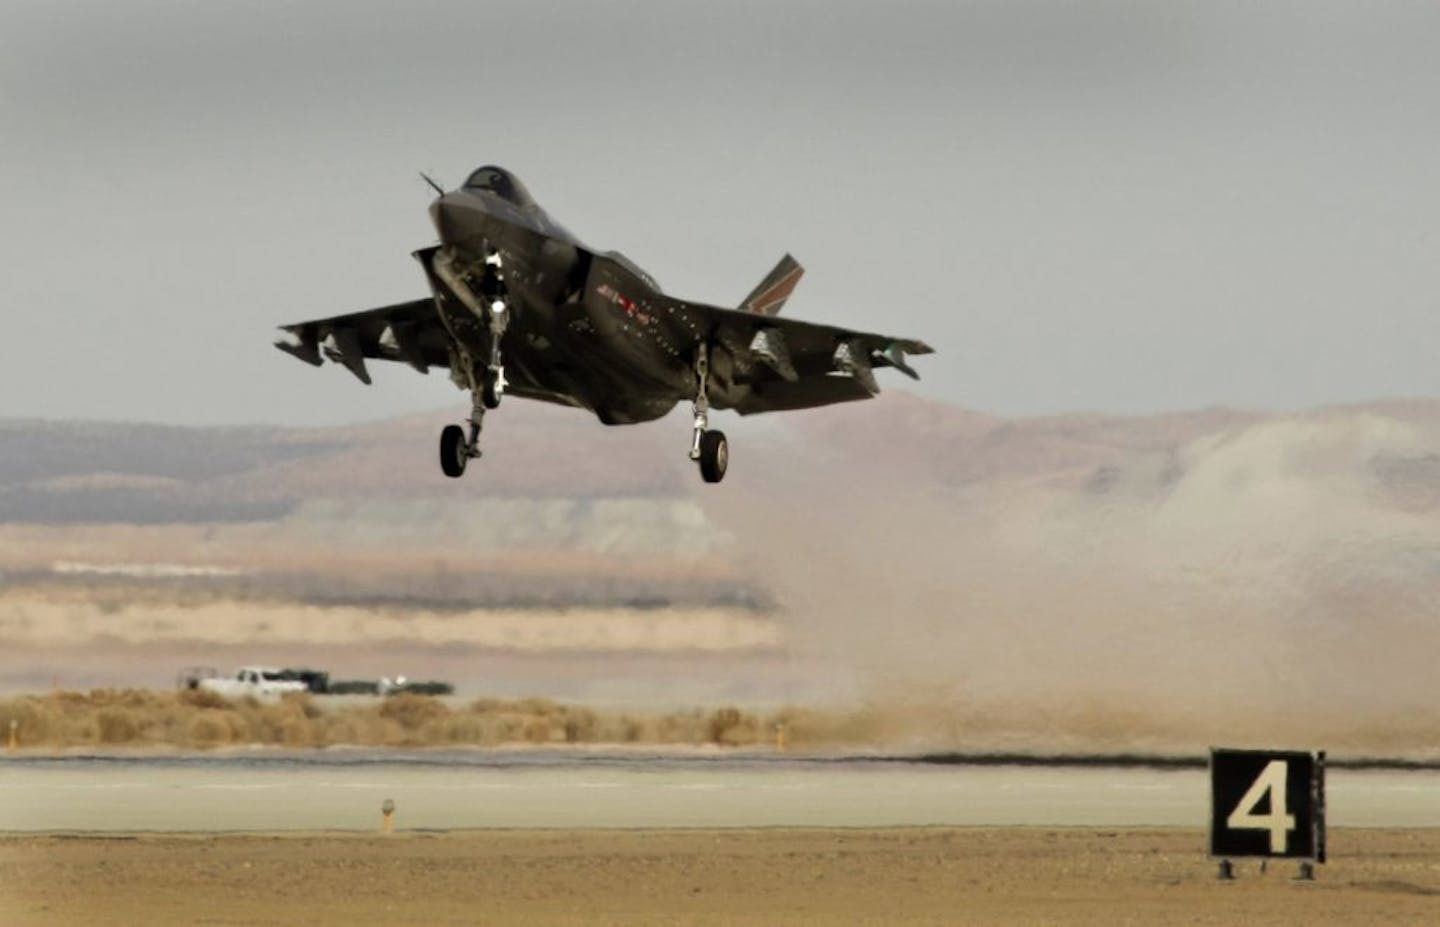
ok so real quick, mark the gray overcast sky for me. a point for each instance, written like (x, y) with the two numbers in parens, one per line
(1105, 206)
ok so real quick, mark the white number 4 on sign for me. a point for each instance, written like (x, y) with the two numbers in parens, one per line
(1278, 821)
(1267, 804)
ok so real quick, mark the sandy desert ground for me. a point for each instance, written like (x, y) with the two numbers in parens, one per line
(1070, 876)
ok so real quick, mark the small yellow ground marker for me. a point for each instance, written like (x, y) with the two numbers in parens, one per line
(387, 817)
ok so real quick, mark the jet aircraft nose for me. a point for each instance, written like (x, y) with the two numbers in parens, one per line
(458, 218)
(441, 213)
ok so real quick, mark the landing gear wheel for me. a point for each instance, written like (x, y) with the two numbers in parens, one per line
(714, 456)
(490, 390)
(453, 452)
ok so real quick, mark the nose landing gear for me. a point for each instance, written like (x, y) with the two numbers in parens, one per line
(454, 452)
(456, 448)
(487, 301)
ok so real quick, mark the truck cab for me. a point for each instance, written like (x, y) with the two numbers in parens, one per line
(260, 682)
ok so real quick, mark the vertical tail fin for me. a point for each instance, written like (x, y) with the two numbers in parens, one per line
(769, 297)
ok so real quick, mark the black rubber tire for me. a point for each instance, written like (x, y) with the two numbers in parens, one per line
(453, 453)
(489, 395)
(714, 456)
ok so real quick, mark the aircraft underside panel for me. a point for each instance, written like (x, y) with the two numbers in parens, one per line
(782, 395)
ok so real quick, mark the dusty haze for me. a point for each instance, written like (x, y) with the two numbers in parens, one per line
(1219, 577)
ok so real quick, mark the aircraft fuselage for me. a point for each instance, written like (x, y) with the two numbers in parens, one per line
(562, 303)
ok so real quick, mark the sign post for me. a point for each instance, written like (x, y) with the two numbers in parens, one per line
(1268, 804)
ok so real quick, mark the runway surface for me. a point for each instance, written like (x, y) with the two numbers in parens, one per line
(343, 790)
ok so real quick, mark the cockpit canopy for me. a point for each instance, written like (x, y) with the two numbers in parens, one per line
(502, 183)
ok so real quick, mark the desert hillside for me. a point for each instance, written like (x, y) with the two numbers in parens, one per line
(1134, 575)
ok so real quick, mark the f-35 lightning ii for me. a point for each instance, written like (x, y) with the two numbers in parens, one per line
(519, 305)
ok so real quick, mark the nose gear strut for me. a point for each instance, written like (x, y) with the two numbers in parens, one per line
(492, 287)
(707, 448)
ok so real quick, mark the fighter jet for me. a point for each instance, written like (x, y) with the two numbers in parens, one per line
(520, 306)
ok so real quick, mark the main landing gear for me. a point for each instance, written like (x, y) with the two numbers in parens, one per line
(708, 448)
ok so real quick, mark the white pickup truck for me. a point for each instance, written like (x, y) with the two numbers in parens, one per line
(260, 682)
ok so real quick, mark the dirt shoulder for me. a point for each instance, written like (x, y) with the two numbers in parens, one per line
(1070, 876)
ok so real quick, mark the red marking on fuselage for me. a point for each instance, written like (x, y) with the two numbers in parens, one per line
(624, 302)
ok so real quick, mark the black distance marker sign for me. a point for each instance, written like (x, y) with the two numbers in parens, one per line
(1267, 803)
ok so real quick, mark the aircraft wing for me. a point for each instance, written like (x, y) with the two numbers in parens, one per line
(790, 364)
(411, 332)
